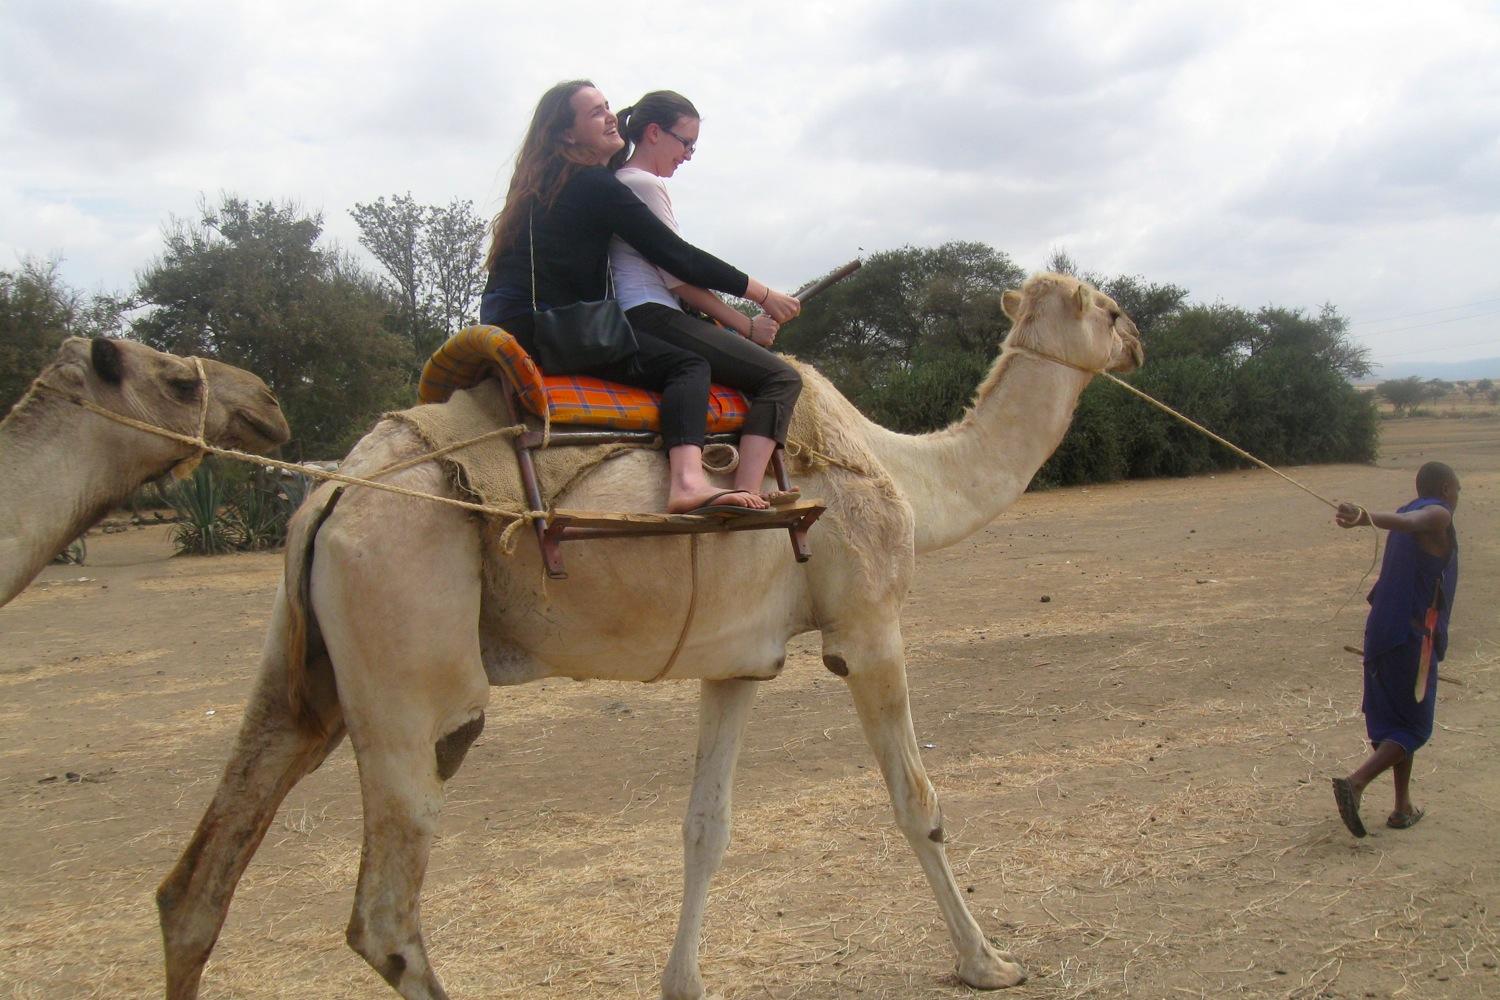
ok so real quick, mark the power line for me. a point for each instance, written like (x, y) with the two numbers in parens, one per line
(1423, 326)
(1425, 312)
(1430, 350)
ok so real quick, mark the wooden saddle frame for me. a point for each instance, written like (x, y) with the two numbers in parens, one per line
(562, 525)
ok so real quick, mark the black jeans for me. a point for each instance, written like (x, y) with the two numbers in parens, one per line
(679, 357)
(771, 384)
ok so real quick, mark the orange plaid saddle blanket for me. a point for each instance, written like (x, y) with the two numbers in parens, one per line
(472, 355)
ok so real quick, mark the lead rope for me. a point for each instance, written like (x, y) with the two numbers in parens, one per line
(516, 517)
(1364, 514)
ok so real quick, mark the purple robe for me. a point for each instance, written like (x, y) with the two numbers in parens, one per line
(1411, 582)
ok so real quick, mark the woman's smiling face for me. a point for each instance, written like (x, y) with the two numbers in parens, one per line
(594, 132)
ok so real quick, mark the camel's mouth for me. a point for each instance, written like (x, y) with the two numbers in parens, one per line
(1132, 357)
(249, 432)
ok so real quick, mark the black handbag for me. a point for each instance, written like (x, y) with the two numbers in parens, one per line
(574, 338)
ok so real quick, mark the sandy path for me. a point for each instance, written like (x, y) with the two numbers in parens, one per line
(1134, 777)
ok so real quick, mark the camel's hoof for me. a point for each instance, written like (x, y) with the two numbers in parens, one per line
(992, 971)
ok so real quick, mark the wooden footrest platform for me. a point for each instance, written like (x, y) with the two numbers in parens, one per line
(570, 525)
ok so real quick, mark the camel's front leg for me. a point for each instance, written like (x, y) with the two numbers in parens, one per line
(876, 675)
(724, 707)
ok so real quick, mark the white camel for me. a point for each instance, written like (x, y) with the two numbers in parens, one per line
(62, 467)
(394, 621)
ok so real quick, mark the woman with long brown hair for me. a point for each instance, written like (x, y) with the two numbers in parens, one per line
(550, 248)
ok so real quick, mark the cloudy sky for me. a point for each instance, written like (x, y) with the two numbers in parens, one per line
(1288, 153)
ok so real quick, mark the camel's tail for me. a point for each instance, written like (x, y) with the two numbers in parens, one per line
(305, 651)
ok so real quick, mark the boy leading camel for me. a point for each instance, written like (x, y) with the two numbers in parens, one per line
(1406, 635)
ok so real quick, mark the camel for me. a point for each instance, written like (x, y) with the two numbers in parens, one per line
(396, 616)
(62, 468)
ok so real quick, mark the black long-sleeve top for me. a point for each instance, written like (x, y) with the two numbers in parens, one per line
(572, 246)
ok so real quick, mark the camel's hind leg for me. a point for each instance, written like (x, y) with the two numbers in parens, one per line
(724, 707)
(272, 753)
(876, 675)
(401, 622)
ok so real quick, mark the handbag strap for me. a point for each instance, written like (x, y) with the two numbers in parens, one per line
(531, 243)
(609, 267)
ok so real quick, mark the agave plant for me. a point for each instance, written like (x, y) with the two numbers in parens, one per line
(206, 524)
(263, 514)
(75, 554)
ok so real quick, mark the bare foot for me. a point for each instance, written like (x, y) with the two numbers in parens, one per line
(715, 501)
(780, 498)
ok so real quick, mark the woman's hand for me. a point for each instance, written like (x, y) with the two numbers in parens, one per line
(780, 306)
(763, 330)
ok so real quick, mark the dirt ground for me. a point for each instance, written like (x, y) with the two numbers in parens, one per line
(1131, 699)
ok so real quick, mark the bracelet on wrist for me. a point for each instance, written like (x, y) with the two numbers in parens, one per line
(767, 295)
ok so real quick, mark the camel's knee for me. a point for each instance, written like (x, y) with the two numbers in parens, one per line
(451, 749)
(918, 814)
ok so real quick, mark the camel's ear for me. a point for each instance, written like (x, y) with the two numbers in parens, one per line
(1010, 304)
(1084, 297)
(105, 355)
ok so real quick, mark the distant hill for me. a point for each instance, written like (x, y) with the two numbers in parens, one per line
(1449, 371)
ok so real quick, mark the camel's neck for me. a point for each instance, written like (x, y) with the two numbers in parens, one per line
(56, 479)
(960, 478)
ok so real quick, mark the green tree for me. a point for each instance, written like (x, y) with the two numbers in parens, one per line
(1403, 393)
(250, 284)
(911, 334)
(452, 246)
(1323, 338)
(38, 310)
(1149, 305)
(392, 232)
(903, 309)
(431, 258)
(1437, 389)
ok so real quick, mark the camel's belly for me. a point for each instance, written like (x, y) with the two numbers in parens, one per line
(626, 606)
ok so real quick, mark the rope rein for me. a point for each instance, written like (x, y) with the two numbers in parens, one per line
(204, 447)
(1364, 515)
(517, 517)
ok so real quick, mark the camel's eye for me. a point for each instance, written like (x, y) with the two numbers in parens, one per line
(1114, 315)
(184, 388)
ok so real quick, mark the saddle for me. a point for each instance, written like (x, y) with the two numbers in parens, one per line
(582, 410)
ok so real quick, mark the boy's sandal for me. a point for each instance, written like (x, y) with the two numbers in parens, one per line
(1404, 821)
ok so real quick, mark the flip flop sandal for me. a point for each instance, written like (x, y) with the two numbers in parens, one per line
(736, 510)
(1348, 803)
(1404, 821)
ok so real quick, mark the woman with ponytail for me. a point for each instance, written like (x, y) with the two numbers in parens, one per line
(549, 247)
(661, 133)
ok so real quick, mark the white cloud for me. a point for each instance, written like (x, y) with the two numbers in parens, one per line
(1280, 152)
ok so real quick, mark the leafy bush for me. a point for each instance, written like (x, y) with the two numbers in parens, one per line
(925, 395)
(909, 336)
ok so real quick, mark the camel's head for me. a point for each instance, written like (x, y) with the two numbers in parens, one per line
(165, 390)
(1071, 320)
